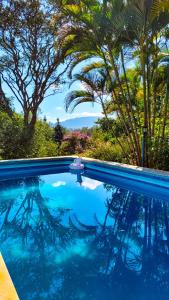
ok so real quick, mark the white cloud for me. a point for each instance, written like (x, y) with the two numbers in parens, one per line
(51, 117)
(54, 87)
(58, 183)
(83, 114)
(91, 114)
(90, 184)
(59, 108)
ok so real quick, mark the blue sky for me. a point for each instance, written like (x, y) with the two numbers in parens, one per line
(53, 106)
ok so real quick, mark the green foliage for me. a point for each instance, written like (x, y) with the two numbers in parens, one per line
(160, 157)
(58, 133)
(113, 34)
(105, 151)
(66, 149)
(102, 38)
(5, 104)
(11, 136)
(43, 142)
(110, 127)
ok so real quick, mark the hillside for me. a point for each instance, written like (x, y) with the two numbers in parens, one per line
(78, 123)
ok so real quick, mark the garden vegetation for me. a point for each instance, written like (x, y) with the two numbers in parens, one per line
(117, 49)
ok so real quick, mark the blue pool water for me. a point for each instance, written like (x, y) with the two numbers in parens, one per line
(89, 237)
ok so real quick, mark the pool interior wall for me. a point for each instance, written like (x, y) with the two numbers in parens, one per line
(149, 181)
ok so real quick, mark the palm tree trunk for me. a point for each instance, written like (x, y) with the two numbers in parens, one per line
(118, 141)
(136, 148)
(165, 113)
(131, 107)
(121, 114)
(145, 130)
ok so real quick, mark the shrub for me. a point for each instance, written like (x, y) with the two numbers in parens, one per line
(43, 142)
(10, 134)
(105, 151)
(74, 142)
(160, 155)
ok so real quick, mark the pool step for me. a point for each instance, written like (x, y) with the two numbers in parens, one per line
(7, 289)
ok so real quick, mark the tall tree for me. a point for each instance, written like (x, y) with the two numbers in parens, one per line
(117, 32)
(58, 133)
(31, 58)
(5, 103)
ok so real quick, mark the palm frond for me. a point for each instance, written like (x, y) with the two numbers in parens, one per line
(93, 66)
(89, 80)
(158, 7)
(78, 58)
(77, 97)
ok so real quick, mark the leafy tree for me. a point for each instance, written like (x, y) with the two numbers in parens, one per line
(115, 32)
(5, 103)
(74, 142)
(11, 132)
(58, 133)
(10, 136)
(30, 56)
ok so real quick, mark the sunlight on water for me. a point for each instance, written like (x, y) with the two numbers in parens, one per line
(18, 251)
(78, 249)
(90, 184)
(59, 183)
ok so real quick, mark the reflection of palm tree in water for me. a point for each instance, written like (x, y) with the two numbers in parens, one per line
(119, 254)
(32, 230)
(132, 246)
(32, 215)
(136, 231)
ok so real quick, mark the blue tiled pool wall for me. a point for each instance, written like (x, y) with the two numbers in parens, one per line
(10, 169)
(133, 174)
(34, 162)
(33, 167)
(155, 191)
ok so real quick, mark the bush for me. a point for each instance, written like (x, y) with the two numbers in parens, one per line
(74, 142)
(43, 142)
(160, 155)
(105, 151)
(10, 134)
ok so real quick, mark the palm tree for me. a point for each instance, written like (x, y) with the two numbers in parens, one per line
(94, 90)
(93, 36)
(116, 32)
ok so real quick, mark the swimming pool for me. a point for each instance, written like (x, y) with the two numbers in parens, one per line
(103, 234)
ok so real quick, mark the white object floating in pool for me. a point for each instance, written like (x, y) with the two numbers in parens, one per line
(77, 164)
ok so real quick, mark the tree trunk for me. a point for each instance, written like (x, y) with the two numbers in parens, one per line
(145, 129)
(28, 134)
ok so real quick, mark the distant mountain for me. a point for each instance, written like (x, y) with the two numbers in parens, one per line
(78, 123)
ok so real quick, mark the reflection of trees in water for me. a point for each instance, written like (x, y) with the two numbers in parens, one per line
(127, 253)
(29, 216)
(140, 232)
(35, 230)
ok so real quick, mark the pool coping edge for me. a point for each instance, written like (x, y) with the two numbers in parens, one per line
(104, 164)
